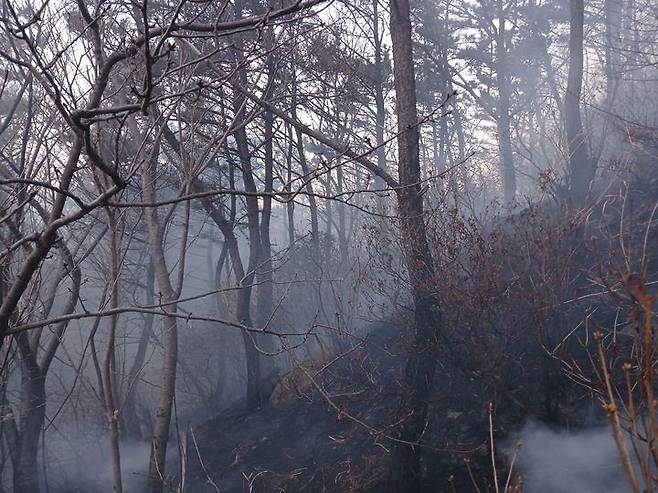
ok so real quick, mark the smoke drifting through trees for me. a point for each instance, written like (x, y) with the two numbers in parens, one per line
(203, 204)
(560, 461)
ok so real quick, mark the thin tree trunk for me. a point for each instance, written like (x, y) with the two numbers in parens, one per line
(130, 419)
(329, 216)
(613, 20)
(266, 288)
(32, 415)
(226, 226)
(342, 224)
(380, 115)
(290, 205)
(581, 169)
(41, 247)
(33, 381)
(503, 122)
(162, 418)
(436, 157)
(404, 473)
(631, 46)
(312, 203)
(112, 413)
(252, 354)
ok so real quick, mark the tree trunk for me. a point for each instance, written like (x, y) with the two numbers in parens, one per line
(42, 246)
(290, 205)
(252, 355)
(613, 20)
(32, 415)
(265, 274)
(503, 122)
(33, 378)
(312, 203)
(404, 474)
(342, 224)
(162, 419)
(129, 417)
(581, 169)
(226, 226)
(380, 115)
(109, 364)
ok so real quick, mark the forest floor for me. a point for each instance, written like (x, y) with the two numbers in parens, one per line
(333, 436)
(308, 443)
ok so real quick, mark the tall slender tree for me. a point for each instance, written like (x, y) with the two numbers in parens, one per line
(581, 168)
(421, 363)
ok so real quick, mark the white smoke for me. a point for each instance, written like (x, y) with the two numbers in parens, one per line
(82, 463)
(583, 461)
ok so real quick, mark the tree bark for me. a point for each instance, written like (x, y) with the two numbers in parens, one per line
(290, 205)
(404, 473)
(109, 363)
(162, 419)
(581, 168)
(503, 122)
(265, 274)
(380, 115)
(33, 381)
(312, 203)
(252, 355)
(129, 418)
(32, 415)
(42, 246)
(613, 20)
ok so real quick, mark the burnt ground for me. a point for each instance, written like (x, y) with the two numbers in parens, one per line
(306, 444)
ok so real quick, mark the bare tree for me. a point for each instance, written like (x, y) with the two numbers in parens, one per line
(581, 167)
(421, 364)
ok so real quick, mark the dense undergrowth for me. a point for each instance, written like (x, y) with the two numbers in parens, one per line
(523, 295)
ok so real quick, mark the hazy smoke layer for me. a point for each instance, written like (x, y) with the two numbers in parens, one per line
(564, 462)
(81, 464)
